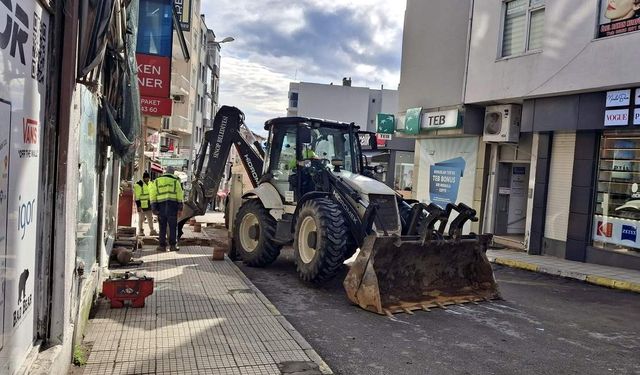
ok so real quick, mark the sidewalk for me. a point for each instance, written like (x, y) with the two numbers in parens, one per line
(612, 277)
(204, 317)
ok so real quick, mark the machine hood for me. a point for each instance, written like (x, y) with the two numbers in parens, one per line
(365, 185)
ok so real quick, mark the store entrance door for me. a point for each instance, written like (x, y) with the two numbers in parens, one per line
(511, 210)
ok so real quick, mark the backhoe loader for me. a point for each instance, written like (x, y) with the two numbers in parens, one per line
(312, 191)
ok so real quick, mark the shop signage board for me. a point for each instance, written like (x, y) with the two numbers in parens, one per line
(619, 19)
(386, 123)
(183, 11)
(412, 121)
(151, 106)
(616, 117)
(440, 120)
(616, 231)
(22, 96)
(618, 98)
(636, 116)
(154, 75)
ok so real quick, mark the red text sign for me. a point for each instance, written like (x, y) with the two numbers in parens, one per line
(605, 229)
(155, 106)
(154, 75)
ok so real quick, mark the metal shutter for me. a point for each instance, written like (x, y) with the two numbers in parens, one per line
(559, 193)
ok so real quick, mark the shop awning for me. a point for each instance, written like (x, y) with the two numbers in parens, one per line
(156, 167)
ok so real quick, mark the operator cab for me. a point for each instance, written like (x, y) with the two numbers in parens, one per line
(300, 146)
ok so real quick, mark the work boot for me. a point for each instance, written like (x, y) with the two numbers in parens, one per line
(142, 233)
(153, 233)
(174, 248)
(161, 248)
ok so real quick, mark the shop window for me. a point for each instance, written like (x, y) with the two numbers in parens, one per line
(523, 28)
(87, 208)
(617, 206)
(403, 176)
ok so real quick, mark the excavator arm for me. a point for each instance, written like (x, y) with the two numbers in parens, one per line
(215, 151)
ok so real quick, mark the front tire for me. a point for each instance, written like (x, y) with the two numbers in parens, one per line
(253, 235)
(320, 240)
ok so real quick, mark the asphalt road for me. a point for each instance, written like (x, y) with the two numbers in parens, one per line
(544, 325)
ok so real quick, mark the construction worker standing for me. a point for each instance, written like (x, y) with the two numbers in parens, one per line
(166, 201)
(141, 190)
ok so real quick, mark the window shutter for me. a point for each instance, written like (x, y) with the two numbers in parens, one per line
(514, 28)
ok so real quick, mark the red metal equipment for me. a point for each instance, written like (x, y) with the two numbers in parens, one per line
(127, 287)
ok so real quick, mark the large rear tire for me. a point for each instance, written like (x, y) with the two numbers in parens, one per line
(253, 234)
(320, 240)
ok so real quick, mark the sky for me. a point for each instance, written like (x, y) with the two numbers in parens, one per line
(320, 41)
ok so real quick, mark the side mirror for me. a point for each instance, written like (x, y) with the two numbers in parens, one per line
(304, 134)
(379, 169)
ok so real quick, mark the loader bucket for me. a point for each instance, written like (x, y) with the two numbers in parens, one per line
(397, 274)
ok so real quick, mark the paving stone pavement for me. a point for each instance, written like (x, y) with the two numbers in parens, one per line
(204, 317)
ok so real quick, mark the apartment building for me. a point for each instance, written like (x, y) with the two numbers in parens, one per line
(551, 100)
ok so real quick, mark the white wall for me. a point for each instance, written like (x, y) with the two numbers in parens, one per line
(333, 102)
(434, 49)
(571, 60)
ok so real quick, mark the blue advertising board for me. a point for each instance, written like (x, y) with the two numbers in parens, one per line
(445, 181)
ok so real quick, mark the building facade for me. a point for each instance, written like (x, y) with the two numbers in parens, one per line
(558, 87)
(71, 113)
(362, 106)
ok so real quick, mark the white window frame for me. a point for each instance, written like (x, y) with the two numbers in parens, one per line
(503, 14)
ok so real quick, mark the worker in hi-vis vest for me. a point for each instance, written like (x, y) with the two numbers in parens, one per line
(166, 201)
(142, 192)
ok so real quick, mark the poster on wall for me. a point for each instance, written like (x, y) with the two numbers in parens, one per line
(5, 141)
(618, 17)
(23, 84)
(446, 170)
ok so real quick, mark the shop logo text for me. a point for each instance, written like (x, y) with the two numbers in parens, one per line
(24, 301)
(15, 36)
(629, 233)
(26, 215)
(605, 229)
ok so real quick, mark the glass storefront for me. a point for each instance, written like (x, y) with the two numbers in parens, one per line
(87, 209)
(403, 178)
(617, 206)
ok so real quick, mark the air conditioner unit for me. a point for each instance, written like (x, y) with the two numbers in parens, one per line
(502, 123)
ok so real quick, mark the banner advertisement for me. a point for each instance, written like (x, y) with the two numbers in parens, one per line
(156, 106)
(22, 95)
(616, 231)
(446, 170)
(618, 17)
(154, 75)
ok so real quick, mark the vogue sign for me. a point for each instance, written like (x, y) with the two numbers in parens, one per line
(154, 75)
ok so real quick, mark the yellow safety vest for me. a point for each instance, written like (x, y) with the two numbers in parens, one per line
(167, 188)
(141, 190)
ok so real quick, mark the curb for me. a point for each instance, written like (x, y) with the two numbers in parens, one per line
(591, 279)
(306, 347)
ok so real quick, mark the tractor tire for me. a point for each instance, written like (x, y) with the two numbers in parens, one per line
(253, 235)
(319, 256)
